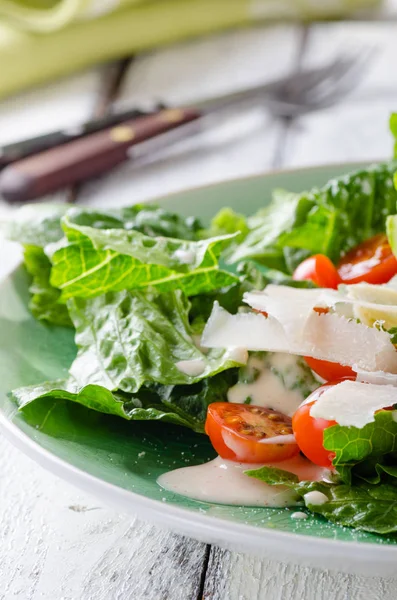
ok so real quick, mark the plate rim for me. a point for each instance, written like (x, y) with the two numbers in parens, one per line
(361, 554)
(353, 164)
(52, 462)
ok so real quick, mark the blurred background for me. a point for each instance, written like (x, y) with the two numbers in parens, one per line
(68, 62)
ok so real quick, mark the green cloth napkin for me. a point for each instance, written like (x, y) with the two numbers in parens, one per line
(44, 39)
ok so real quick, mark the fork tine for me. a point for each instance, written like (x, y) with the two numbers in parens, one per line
(343, 79)
(304, 81)
(301, 85)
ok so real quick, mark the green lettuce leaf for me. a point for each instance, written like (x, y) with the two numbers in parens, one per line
(149, 219)
(98, 398)
(45, 301)
(363, 506)
(184, 405)
(38, 228)
(362, 448)
(261, 242)
(95, 261)
(330, 220)
(128, 339)
(228, 221)
(36, 224)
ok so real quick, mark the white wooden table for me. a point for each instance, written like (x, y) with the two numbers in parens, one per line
(60, 544)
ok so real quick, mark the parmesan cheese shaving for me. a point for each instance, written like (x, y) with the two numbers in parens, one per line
(353, 403)
(372, 303)
(324, 336)
(376, 377)
(291, 307)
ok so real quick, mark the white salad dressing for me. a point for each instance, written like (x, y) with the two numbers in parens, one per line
(239, 355)
(197, 342)
(224, 481)
(299, 515)
(275, 385)
(315, 498)
(191, 367)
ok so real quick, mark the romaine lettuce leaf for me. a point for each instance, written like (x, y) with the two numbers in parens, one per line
(330, 220)
(145, 408)
(228, 221)
(265, 227)
(128, 339)
(149, 219)
(38, 228)
(363, 506)
(363, 448)
(45, 301)
(35, 224)
(95, 261)
(184, 405)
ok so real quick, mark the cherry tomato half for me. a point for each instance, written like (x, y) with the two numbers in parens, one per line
(372, 261)
(330, 371)
(243, 433)
(309, 432)
(318, 269)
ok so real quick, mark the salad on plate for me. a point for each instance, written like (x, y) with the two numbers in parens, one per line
(274, 334)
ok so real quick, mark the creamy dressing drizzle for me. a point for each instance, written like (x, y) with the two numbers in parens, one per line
(270, 389)
(193, 368)
(224, 482)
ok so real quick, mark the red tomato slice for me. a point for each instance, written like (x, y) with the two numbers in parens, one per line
(318, 269)
(309, 432)
(240, 432)
(372, 261)
(329, 371)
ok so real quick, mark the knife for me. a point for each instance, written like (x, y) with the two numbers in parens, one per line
(93, 154)
(21, 149)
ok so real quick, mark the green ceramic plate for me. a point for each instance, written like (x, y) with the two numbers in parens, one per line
(120, 461)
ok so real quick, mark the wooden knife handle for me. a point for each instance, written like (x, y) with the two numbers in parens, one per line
(10, 153)
(86, 157)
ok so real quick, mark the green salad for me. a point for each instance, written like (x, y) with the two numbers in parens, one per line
(173, 316)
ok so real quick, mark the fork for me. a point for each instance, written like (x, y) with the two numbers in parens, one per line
(146, 137)
(308, 91)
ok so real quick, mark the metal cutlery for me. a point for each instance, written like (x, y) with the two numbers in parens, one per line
(89, 155)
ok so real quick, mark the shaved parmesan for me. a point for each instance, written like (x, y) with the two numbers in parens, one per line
(372, 303)
(375, 294)
(377, 377)
(324, 336)
(353, 403)
(291, 307)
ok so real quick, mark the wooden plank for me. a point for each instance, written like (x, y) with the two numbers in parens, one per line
(240, 144)
(241, 577)
(58, 543)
